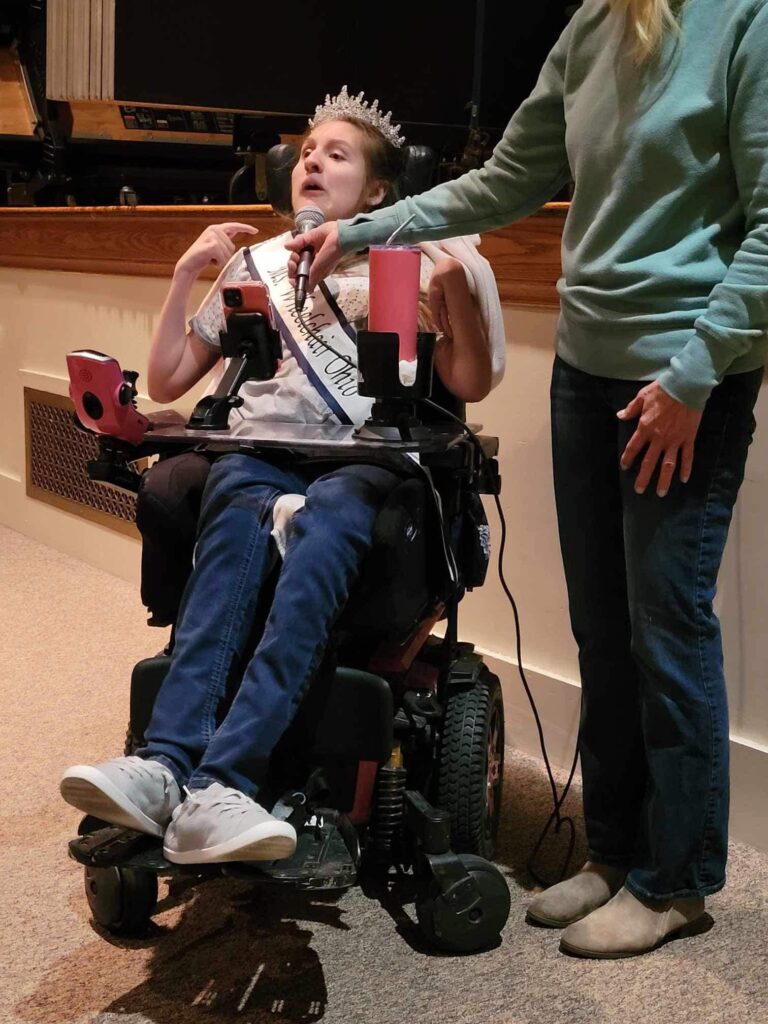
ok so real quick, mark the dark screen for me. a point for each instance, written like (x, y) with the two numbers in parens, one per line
(417, 58)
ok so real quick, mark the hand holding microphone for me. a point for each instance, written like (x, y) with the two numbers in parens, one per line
(325, 253)
(307, 219)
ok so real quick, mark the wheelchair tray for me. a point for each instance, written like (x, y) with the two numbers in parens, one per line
(305, 438)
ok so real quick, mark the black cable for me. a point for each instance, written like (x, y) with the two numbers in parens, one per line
(557, 799)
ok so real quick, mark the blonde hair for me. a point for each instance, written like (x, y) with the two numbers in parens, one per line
(647, 22)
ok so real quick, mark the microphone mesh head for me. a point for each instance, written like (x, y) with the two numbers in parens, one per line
(309, 217)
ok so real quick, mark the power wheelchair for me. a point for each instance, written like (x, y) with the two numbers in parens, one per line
(395, 756)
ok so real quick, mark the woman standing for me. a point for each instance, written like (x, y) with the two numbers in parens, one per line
(659, 114)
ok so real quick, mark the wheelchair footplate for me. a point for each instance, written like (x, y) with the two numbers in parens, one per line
(322, 859)
(113, 846)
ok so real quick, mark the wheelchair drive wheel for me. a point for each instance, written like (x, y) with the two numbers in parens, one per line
(472, 764)
(122, 900)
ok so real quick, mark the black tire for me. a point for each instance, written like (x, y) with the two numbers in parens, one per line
(132, 744)
(122, 900)
(468, 931)
(90, 823)
(472, 765)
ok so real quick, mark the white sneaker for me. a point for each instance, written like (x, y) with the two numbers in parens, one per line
(127, 791)
(218, 824)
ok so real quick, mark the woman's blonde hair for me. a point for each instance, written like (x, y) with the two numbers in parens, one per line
(647, 22)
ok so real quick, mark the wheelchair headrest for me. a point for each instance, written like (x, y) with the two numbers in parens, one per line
(420, 164)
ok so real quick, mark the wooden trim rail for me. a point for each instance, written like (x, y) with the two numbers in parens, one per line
(146, 241)
(16, 116)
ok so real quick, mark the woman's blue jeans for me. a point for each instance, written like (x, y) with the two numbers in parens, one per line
(234, 556)
(641, 573)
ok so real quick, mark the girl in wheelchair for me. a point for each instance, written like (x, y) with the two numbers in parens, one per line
(196, 781)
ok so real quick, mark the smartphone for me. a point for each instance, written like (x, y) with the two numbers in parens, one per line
(248, 297)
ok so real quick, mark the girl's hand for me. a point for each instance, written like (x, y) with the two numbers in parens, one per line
(325, 241)
(447, 275)
(667, 430)
(214, 245)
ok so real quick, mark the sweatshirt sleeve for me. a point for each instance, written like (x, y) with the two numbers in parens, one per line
(528, 166)
(737, 311)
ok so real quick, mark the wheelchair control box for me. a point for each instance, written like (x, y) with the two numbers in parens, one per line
(105, 396)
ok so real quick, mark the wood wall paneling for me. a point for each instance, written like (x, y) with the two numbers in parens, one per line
(147, 241)
(134, 241)
(16, 116)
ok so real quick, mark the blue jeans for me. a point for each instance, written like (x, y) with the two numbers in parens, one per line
(234, 557)
(641, 573)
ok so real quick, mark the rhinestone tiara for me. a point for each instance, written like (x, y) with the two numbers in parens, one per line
(345, 105)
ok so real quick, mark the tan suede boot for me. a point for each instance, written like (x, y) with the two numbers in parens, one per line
(569, 901)
(627, 926)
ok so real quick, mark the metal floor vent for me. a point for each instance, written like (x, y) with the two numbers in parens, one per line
(57, 453)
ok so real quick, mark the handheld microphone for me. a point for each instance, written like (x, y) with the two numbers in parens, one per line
(307, 217)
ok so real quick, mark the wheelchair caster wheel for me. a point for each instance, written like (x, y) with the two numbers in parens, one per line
(122, 900)
(91, 824)
(466, 930)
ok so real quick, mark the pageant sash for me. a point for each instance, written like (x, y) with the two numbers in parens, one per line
(334, 379)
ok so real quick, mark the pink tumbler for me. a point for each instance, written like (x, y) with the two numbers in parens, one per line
(393, 300)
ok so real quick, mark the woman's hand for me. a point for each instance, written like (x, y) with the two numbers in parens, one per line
(325, 241)
(447, 275)
(214, 245)
(667, 429)
(462, 357)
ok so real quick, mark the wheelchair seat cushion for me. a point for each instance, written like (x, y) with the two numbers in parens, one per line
(400, 578)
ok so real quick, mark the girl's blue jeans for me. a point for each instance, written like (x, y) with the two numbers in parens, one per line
(641, 573)
(234, 556)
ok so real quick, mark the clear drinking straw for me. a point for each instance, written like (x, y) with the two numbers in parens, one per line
(398, 229)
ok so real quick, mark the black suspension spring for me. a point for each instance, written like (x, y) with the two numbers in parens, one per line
(390, 802)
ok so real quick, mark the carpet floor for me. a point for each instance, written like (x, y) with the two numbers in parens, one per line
(226, 950)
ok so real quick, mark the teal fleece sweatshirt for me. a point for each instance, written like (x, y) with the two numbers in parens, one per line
(665, 246)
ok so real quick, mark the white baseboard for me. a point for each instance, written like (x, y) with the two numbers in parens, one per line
(558, 701)
(67, 532)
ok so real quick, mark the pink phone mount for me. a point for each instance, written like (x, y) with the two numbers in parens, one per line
(105, 396)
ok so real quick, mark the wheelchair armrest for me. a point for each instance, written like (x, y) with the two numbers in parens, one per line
(116, 472)
(113, 466)
(489, 445)
(488, 478)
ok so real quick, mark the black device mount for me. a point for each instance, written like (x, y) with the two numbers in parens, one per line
(254, 348)
(394, 413)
